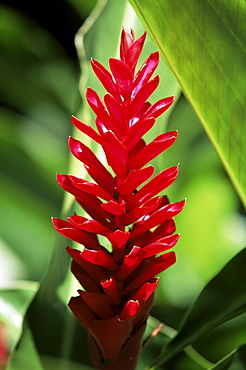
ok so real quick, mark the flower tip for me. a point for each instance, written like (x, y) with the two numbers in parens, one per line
(60, 178)
(54, 222)
(74, 120)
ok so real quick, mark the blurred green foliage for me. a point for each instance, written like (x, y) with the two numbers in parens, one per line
(39, 91)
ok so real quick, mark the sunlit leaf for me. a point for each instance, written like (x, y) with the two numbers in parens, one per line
(204, 44)
(15, 298)
(22, 361)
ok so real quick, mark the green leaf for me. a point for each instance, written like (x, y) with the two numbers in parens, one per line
(15, 298)
(223, 298)
(234, 361)
(204, 44)
(22, 361)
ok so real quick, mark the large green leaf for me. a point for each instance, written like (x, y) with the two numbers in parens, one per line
(222, 299)
(20, 360)
(204, 44)
(15, 298)
(234, 361)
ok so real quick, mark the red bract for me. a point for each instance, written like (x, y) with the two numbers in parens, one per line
(118, 284)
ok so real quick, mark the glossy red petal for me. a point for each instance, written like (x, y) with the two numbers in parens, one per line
(115, 208)
(86, 281)
(134, 179)
(137, 212)
(166, 228)
(110, 335)
(118, 239)
(71, 232)
(128, 356)
(130, 262)
(85, 155)
(86, 129)
(157, 247)
(116, 153)
(105, 183)
(155, 266)
(142, 95)
(145, 72)
(98, 303)
(117, 115)
(82, 312)
(105, 77)
(100, 258)
(135, 150)
(146, 290)
(134, 51)
(127, 39)
(90, 203)
(95, 271)
(137, 131)
(110, 289)
(98, 107)
(157, 184)
(123, 75)
(90, 188)
(152, 150)
(158, 108)
(143, 312)
(161, 215)
(130, 310)
(91, 226)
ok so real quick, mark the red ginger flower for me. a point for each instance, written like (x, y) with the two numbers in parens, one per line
(118, 285)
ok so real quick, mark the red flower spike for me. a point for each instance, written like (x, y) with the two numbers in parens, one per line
(123, 207)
